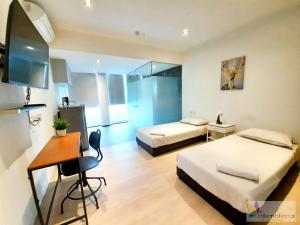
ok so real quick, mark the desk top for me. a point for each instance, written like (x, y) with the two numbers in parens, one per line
(57, 150)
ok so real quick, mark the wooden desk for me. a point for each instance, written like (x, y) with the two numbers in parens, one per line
(55, 152)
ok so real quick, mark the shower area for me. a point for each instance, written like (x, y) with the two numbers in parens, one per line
(154, 94)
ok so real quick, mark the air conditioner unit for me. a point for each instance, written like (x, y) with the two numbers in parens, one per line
(40, 21)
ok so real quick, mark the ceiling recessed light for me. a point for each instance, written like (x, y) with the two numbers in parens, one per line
(87, 3)
(185, 31)
(98, 61)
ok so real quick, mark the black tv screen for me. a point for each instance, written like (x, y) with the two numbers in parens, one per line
(27, 54)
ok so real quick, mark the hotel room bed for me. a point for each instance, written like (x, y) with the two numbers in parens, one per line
(229, 194)
(177, 135)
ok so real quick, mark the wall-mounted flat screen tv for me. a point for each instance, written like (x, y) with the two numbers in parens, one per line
(27, 54)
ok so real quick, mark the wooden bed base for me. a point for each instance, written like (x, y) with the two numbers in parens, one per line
(167, 148)
(232, 214)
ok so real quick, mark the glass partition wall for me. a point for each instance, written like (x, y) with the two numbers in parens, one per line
(154, 94)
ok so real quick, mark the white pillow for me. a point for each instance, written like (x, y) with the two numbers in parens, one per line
(268, 136)
(194, 121)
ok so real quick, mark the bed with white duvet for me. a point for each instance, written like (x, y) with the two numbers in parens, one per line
(165, 137)
(270, 162)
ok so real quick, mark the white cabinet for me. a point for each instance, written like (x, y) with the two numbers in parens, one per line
(214, 131)
(60, 71)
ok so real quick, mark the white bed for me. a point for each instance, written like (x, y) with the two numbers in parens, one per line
(174, 132)
(271, 162)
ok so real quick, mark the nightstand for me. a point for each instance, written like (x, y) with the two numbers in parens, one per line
(218, 130)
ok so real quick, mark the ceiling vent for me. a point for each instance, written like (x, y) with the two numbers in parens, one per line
(40, 21)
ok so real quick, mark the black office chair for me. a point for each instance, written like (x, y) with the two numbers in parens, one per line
(86, 163)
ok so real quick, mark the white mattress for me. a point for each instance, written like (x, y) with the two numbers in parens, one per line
(271, 162)
(175, 132)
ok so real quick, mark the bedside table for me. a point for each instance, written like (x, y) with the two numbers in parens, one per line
(222, 129)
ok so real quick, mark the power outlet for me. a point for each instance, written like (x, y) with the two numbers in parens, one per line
(36, 118)
(192, 112)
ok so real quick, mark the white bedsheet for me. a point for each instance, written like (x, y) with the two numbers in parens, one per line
(271, 162)
(174, 132)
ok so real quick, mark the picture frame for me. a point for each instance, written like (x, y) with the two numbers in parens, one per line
(232, 73)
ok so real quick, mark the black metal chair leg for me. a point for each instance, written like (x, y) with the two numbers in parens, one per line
(72, 188)
(103, 180)
(98, 178)
(67, 196)
(76, 185)
(62, 205)
(91, 190)
(59, 173)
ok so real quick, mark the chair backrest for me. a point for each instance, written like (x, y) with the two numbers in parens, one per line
(94, 141)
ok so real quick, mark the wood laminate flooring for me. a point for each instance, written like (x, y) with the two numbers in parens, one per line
(143, 190)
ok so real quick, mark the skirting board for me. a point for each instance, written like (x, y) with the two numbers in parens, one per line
(167, 148)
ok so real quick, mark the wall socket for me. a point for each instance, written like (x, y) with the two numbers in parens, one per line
(192, 112)
(36, 117)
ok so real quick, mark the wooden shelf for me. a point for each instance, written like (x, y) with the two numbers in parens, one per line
(22, 109)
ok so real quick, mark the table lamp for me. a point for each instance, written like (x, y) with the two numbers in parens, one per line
(218, 119)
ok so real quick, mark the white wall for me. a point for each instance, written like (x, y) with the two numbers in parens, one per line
(17, 206)
(271, 94)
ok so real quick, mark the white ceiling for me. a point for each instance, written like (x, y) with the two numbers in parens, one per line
(162, 21)
(82, 62)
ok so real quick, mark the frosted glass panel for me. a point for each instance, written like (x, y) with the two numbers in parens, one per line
(132, 99)
(166, 99)
(154, 94)
(145, 102)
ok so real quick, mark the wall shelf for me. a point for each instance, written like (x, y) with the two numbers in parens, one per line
(22, 109)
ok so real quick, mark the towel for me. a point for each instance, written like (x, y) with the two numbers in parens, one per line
(158, 133)
(238, 170)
